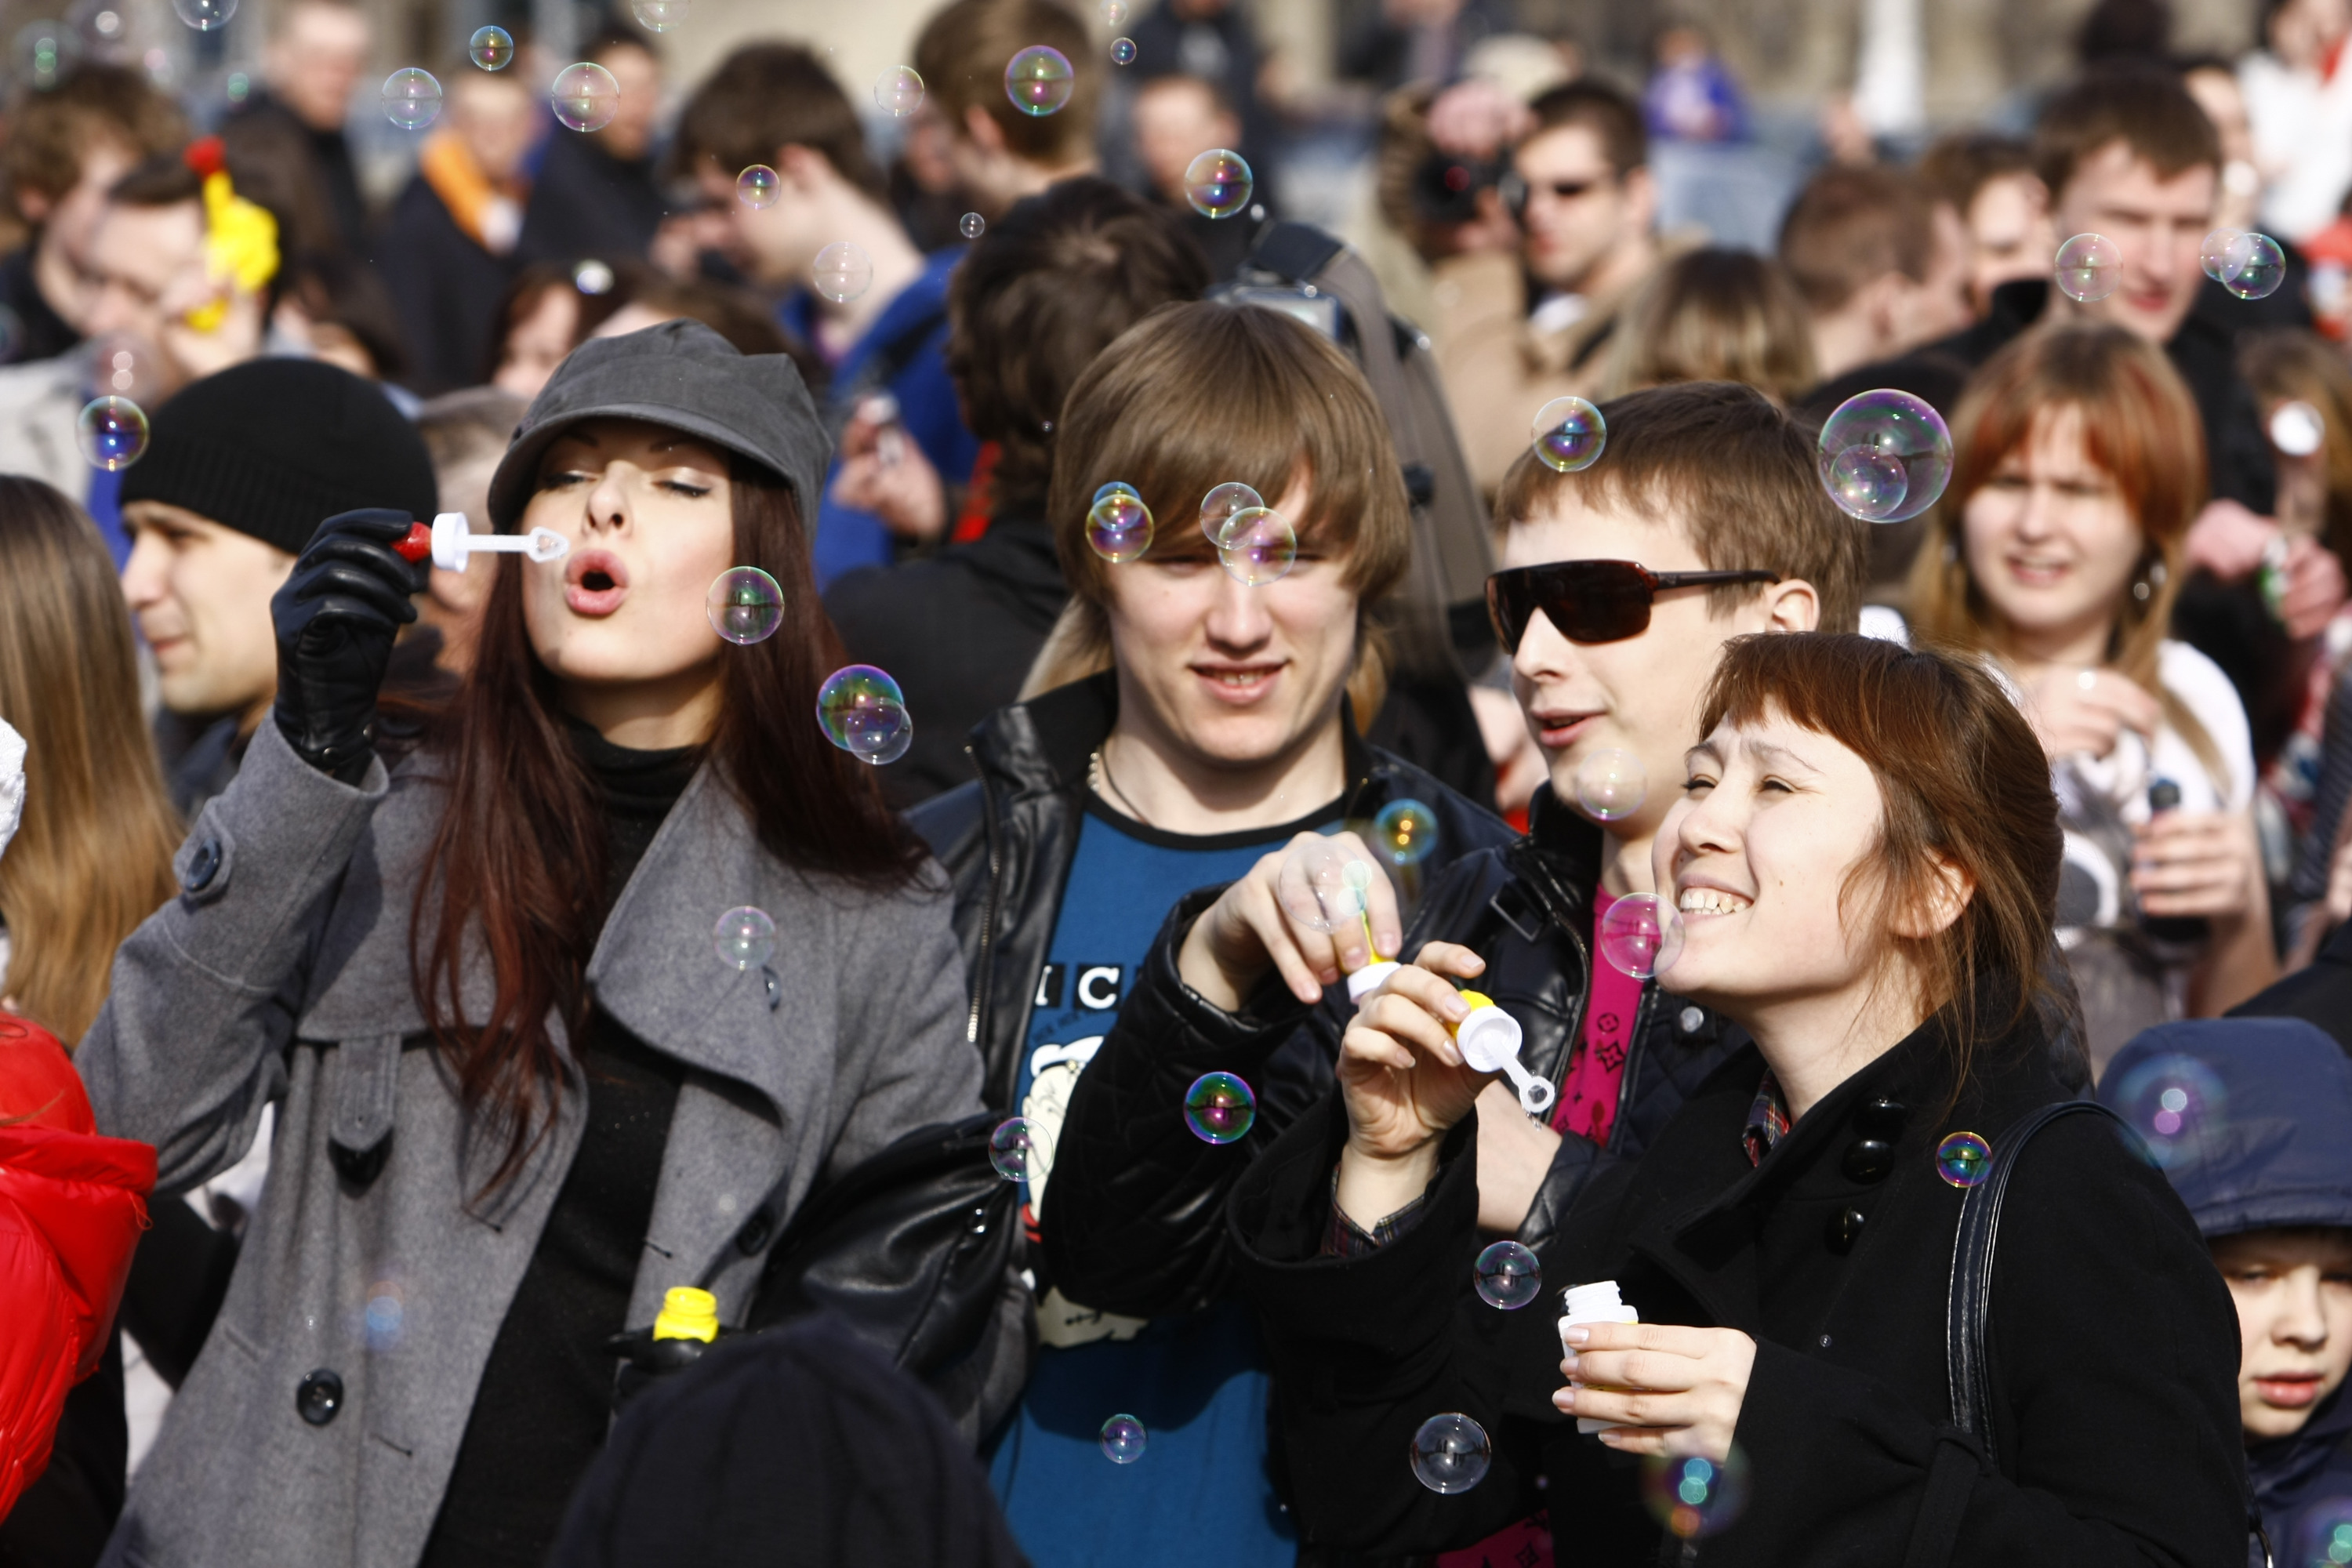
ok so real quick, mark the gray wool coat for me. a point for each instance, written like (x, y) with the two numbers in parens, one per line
(281, 974)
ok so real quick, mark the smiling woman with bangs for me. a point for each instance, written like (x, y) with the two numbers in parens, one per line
(1864, 855)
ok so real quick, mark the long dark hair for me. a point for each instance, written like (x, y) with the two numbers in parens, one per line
(518, 861)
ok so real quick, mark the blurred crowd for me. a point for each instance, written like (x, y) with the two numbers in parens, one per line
(934, 323)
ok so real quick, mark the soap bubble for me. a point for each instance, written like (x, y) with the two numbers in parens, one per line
(1118, 525)
(386, 1315)
(1405, 831)
(2224, 251)
(898, 91)
(1568, 434)
(1610, 784)
(745, 937)
(111, 433)
(2089, 267)
(843, 271)
(1122, 1439)
(1321, 886)
(758, 186)
(864, 712)
(205, 16)
(2258, 273)
(2176, 1104)
(125, 365)
(1885, 455)
(1508, 1276)
(1962, 1158)
(659, 16)
(1694, 1497)
(585, 97)
(1219, 1108)
(492, 48)
(745, 604)
(593, 277)
(412, 99)
(1218, 182)
(1258, 547)
(972, 225)
(1451, 1453)
(1113, 11)
(2297, 428)
(1122, 51)
(1641, 937)
(2323, 1535)
(1223, 504)
(1009, 1148)
(46, 53)
(1038, 80)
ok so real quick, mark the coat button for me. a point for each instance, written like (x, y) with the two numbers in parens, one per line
(203, 866)
(1869, 1160)
(754, 1234)
(1691, 1017)
(1845, 1229)
(1880, 1118)
(320, 1397)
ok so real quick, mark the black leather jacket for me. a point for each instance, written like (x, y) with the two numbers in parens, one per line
(1008, 839)
(1139, 1202)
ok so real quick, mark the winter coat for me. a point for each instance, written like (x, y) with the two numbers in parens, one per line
(2261, 1148)
(281, 975)
(2114, 1347)
(2319, 992)
(1139, 1228)
(71, 1207)
(1008, 839)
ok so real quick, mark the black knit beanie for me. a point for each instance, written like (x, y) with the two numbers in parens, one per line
(273, 447)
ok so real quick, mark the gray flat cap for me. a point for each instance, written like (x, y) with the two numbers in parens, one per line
(686, 376)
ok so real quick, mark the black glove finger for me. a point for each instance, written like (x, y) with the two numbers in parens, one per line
(381, 524)
(345, 612)
(336, 578)
(407, 576)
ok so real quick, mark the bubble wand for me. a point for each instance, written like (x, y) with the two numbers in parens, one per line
(450, 542)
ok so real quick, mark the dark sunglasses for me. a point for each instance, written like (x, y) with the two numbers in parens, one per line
(1590, 601)
(1517, 191)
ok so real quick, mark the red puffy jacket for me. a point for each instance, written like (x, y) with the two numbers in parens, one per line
(71, 1207)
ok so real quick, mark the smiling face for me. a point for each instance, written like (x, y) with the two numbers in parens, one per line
(1227, 675)
(2052, 542)
(620, 622)
(1759, 851)
(2158, 225)
(1641, 695)
(2293, 1294)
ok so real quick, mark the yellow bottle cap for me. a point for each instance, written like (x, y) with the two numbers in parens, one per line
(687, 1314)
(1477, 999)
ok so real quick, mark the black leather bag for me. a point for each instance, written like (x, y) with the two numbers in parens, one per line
(910, 1249)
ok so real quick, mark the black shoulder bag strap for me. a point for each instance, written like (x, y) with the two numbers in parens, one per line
(1970, 1448)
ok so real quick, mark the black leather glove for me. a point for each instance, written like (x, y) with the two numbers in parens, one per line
(336, 618)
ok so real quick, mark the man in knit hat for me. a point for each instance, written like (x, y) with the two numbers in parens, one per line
(240, 468)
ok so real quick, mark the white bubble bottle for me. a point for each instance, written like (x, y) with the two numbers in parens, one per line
(1595, 1304)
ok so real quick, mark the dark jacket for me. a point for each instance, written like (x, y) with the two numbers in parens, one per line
(2321, 993)
(2113, 1344)
(2272, 1155)
(1136, 1198)
(446, 287)
(1008, 839)
(959, 633)
(585, 202)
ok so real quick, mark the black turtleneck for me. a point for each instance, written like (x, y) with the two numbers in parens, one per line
(546, 1396)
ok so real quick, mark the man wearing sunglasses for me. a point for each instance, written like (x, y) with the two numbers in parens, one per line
(1702, 521)
(1519, 328)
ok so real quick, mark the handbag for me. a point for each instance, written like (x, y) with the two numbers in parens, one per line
(1970, 1446)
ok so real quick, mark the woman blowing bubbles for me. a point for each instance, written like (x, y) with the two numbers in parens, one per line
(1865, 858)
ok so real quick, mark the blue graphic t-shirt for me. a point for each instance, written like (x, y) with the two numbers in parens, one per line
(1198, 1383)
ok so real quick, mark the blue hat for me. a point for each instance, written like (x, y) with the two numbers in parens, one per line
(2251, 1117)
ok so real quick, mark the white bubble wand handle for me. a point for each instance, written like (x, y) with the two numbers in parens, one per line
(453, 542)
(1489, 1038)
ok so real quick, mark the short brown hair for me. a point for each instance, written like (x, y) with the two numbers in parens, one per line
(1200, 393)
(1964, 782)
(54, 129)
(164, 180)
(1742, 474)
(1958, 166)
(2140, 428)
(962, 58)
(1043, 292)
(1717, 315)
(765, 97)
(1612, 117)
(2148, 110)
(1848, 226)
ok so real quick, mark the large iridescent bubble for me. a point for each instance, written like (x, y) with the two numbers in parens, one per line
(1885, 455)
